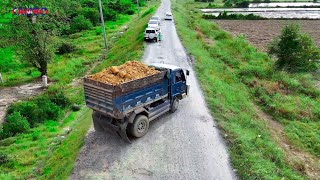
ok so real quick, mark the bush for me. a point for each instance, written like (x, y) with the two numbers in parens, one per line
(295, 51)
(4, 158)
(47, 110)
(129, 11)
(80, 23)
(225, 15)
(15, 124)
(92, 14)
(242, 4)
(26, 109)
(58, 97)
(65, 48)
(204, 1)
(110, 15)
(45, 107)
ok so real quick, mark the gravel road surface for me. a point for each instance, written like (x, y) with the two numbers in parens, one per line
(182, 145)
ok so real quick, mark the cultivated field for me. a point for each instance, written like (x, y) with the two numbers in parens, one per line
(261, 32)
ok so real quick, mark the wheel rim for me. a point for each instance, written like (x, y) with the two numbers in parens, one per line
(142, 126)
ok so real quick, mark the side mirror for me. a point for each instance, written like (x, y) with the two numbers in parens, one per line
(187, 72)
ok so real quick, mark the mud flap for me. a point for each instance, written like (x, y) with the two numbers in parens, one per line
(122, 132)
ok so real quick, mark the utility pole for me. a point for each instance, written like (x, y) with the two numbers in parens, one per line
(138, 8)
(102, 23)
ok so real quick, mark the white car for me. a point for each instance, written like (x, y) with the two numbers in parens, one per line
(168, 16)
(153, 34)
(153, 24)
(156, 18)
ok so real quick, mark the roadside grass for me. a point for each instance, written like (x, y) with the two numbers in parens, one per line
(228, 69)
(287, 97)
(49, 150)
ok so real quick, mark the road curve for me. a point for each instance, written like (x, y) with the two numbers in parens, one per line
(182, 145)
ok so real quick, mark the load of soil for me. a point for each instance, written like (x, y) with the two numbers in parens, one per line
(129, 71)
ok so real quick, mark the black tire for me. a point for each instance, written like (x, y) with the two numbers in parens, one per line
(174, 105)
(156, 39)
(96, 125)
(139, 127)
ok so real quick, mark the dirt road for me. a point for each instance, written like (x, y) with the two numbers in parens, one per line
(183, 145)
(10, 95)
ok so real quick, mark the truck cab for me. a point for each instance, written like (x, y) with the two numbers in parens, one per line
(178, 87)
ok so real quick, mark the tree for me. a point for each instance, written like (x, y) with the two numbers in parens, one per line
(35, 41)
(294, 51)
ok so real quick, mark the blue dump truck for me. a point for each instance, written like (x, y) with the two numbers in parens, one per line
(129, 107)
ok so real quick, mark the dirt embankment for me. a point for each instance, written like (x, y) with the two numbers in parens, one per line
(129, 71)
(261, 32)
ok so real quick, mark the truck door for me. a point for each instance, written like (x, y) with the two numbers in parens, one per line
(179, 83)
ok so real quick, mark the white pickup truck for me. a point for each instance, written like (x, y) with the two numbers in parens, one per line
(153, 34)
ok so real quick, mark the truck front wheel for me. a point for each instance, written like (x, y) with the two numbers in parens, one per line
(174, 105)
(97, 126)
(139, 127)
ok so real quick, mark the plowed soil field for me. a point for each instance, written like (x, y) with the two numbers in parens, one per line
(261, 32)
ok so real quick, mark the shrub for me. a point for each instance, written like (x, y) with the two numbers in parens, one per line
(42, 108)
(129, 11)
(15, 124)
(294, 51)
(91, 14)
(65, 48)
(204, 1)
(58, 97)
(75, 107)
(26, 109)
(109, 15)
(47, 110)
(80, 23)
(225, 15)
(242, 4)
(4, 158)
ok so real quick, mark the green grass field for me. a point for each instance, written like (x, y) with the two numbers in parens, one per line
(49, 150)
(236, 78)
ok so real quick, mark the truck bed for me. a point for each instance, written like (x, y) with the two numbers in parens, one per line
(117, 101)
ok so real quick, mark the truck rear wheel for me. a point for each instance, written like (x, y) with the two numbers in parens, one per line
(140, 126)
(97, 126)
(174, 105)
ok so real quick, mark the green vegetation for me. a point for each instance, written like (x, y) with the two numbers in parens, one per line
(235, 77)
(49, 148)
(295, 51)
(23, 65)
(225, 15)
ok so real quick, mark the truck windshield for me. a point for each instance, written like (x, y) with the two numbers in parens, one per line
(153, 22)
(150, 31)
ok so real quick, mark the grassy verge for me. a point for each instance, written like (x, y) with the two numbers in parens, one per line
(227, 69)
(49, 150)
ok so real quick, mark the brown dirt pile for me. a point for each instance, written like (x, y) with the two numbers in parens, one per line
(129, 71)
